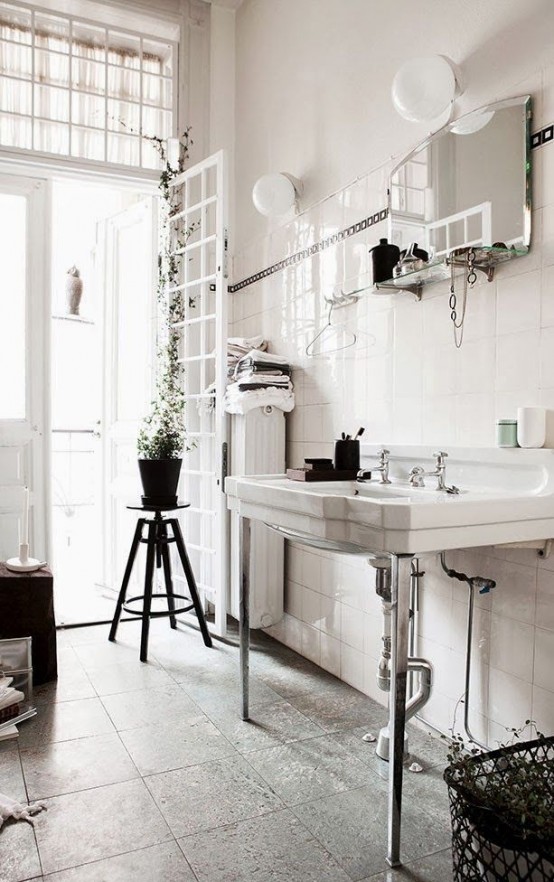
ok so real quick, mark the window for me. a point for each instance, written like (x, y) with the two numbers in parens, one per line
(73, 88)
(13, 284)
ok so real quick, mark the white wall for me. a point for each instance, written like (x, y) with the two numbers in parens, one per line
(312, 98)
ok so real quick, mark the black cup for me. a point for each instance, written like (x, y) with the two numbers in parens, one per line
(347, 455)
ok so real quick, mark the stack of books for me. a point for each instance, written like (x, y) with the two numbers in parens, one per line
(13, 708)
(10, 700)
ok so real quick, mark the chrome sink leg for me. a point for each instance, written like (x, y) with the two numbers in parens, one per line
(400, 612)
(244, 613)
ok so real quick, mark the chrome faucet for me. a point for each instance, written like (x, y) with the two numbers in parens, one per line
(383, 468)
(418, 474)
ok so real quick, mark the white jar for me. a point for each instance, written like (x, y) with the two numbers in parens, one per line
(531, 426)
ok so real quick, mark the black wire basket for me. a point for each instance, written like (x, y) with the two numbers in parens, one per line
(488, 843)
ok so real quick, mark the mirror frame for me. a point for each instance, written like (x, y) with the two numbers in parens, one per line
(526, 102)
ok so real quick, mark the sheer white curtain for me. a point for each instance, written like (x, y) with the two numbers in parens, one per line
(92, 102)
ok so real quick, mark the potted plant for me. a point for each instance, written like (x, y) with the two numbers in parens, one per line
(162, 437)
(502, 810)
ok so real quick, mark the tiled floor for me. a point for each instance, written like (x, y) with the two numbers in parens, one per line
(150, 775)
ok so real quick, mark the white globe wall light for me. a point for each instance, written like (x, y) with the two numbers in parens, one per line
(275, 193)
(424, 88)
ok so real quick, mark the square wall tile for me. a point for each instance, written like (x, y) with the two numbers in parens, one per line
(352, 666)
(544, 655)
(547, 297)
(516, 587)
(311, 570)
(330, 621)
(439, 420)
(547, 358)
(352, 627)
(518, 303)
(510, 699)
(543, 710)
(293, 599)
(511, 645)
(310, 643)
(439, 370)
(544, 612)
(311, 607)
(475, 421)
(330, 654)
(475, 366)
(517, 361)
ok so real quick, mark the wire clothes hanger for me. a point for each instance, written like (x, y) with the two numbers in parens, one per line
(319, 345)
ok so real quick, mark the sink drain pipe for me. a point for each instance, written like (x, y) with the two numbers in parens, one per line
(483, 585)
(416, 666)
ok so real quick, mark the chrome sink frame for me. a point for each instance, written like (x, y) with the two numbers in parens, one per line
(401, 565)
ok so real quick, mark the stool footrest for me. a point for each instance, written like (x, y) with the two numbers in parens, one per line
(154, 614)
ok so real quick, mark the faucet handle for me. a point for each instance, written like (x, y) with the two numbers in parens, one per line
(417, 476)
(383, 452)
(441, 456)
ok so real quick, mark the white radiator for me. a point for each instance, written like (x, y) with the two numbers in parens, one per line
(258, 448)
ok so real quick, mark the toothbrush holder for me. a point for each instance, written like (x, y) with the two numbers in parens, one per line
(347, 455)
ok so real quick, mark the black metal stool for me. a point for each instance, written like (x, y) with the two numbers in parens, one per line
(158, 553)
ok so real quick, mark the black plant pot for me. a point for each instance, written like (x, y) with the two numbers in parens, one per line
(160, 478)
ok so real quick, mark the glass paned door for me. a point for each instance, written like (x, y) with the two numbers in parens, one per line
(200, 245)
(126, 255)
(23, 373)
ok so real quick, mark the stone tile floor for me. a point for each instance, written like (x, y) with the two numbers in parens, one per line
(150, 775)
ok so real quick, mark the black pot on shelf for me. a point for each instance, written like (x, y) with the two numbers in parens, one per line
(160, 478)
(384, 258)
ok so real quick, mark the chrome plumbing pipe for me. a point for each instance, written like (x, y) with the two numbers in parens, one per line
(416, 666)
(484, 585)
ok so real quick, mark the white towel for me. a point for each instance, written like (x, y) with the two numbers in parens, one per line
(260, 357)
(271, 396)
(11, 808)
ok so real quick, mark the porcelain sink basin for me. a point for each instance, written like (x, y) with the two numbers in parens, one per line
(505, 496)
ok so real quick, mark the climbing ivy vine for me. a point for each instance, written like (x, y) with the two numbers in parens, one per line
(163, 432)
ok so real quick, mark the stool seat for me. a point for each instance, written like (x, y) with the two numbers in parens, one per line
(157, 554)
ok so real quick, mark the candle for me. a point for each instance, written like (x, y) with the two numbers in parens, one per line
(25, 520)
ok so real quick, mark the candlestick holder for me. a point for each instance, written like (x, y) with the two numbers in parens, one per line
(24, 563)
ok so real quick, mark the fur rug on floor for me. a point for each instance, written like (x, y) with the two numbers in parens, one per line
(10, 808)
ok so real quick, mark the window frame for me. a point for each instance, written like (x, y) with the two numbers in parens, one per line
(66, 160)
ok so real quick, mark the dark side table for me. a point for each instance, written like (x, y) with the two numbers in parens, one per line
(27, 610)
(160, 532)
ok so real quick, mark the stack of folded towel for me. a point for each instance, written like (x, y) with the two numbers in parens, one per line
(261, 379)
(237, 347)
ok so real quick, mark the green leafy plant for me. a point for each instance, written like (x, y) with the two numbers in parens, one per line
(512, 793)
(163, 433)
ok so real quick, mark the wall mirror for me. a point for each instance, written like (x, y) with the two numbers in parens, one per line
(467, 185)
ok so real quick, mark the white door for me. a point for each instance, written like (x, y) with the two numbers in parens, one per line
(24, 328)
(200, 242)
(126, 259)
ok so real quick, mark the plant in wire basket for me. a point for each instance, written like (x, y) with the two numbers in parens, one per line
(502, 808)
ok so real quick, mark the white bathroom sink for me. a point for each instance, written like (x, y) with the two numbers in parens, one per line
(505, 496)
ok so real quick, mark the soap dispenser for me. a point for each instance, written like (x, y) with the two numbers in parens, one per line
(384, 257)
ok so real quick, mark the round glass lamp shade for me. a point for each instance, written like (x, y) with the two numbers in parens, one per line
(424, 88)
(273, 194)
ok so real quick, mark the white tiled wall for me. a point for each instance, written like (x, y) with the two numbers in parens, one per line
(406, 382)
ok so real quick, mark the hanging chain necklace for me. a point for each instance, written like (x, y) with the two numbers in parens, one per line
(468, 281)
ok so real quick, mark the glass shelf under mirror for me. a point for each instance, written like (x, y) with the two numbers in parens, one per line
(487, 258)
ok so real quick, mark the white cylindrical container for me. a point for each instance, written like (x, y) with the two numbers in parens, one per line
(531, 426)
